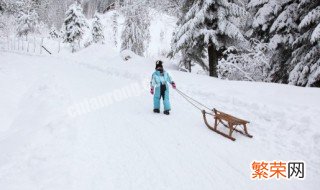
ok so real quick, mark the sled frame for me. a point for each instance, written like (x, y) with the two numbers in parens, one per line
(227, 121)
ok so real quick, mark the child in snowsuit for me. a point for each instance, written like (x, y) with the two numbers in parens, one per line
(159, 81)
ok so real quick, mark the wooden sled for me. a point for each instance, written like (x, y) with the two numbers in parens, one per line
(228, 121)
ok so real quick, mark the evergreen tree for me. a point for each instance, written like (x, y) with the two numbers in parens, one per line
(208, 24)
(264, 13)
(306, 57)
(136, 34)
(74, 26)
(275, 22)
(189, 54)
(27, 23)
(97, 30)
(282, 34)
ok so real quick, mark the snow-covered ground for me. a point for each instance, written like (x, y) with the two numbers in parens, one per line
(124, 145)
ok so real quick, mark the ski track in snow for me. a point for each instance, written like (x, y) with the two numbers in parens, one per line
(126, 146)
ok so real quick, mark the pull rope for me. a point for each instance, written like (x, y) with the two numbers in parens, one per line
(193, 101)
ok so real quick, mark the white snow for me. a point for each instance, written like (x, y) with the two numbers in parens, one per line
(126, 146)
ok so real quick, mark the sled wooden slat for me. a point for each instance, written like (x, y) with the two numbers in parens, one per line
(228, 121)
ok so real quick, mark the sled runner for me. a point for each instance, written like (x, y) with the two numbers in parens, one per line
(226, 120)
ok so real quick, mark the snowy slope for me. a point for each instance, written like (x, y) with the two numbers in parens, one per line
(126, 146)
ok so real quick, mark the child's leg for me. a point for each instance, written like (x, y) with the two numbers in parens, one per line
(156, 98)
(166, 101)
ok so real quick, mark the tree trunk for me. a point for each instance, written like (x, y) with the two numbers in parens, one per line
(213, 60)
(189, 66)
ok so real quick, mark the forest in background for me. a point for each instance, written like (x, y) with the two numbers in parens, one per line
(255, 40)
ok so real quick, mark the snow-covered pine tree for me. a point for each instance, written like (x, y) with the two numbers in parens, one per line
(306, 56)
(53, 33)
(264, 13)
(74, 26)
(208, 24)
(27, 23)
(282, 33)
(97, 30)
(136, 34)
(189, 55)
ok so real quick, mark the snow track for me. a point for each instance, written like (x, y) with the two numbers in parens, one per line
(126, 146)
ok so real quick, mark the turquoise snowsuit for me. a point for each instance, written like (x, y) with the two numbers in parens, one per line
(156, 81)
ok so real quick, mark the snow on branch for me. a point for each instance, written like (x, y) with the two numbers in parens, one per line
(256, 3)
(315, 34)
(312, 17)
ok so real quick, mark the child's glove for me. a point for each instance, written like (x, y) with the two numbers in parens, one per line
(173, 85)
(151, 91)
